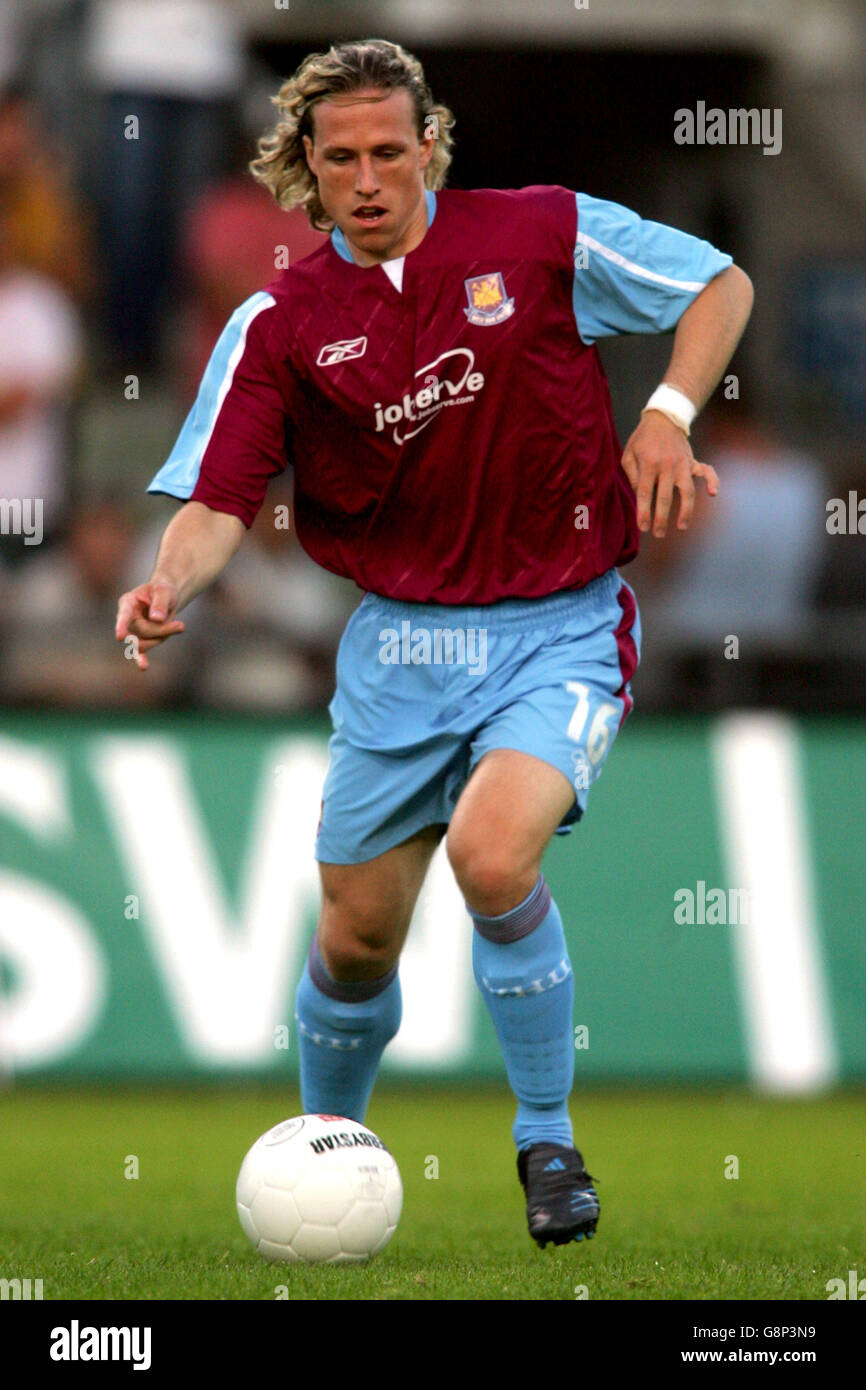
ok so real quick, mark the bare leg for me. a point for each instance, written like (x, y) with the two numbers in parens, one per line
(367, 908)
(501, 826)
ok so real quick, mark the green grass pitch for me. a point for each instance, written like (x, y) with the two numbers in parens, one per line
(673, 1226)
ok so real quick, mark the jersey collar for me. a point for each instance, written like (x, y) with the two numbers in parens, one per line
(338, 241)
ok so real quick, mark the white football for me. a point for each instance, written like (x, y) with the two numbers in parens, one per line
(319, 1189)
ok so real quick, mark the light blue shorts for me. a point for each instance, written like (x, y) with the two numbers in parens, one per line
(425, 690)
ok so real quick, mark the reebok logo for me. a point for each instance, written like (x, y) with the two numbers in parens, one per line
(334, 353)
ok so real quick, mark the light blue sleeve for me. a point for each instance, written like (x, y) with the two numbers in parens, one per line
(179, 474)
(634, 276)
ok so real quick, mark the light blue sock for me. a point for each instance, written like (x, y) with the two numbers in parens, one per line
(343, 1029)
(522, 968)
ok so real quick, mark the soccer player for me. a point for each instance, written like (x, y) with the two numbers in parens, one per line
(431, 376)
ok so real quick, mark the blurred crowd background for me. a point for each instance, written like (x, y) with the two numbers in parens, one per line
(130, 230)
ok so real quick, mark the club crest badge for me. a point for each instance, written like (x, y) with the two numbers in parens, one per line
(488, 302)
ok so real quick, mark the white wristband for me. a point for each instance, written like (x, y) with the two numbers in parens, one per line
(672, 403)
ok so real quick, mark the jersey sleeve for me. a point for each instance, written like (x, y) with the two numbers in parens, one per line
(233, 440)
(632, 275)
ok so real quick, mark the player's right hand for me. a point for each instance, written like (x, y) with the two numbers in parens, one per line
(145, 618)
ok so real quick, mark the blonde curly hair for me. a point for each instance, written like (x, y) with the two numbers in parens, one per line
(347, 67)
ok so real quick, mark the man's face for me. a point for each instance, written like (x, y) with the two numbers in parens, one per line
(369, 164)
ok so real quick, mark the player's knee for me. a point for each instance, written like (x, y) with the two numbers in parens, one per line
(356, 943)
(493, 876)
(349, 955)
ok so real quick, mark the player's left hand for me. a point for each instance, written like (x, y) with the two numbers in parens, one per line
(658, 459)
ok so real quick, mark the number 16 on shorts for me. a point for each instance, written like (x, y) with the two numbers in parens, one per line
(593, 736)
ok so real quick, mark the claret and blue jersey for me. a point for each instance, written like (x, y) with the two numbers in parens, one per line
(447, 419)
(446, 415)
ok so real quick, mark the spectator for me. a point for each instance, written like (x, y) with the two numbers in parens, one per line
(749, 565)
(59, 647)
(165, 75)
(265, 635)
(273, 623)
(46, 227)
(13, 35)
(236, 240)
(41, 354)
(729, 609)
